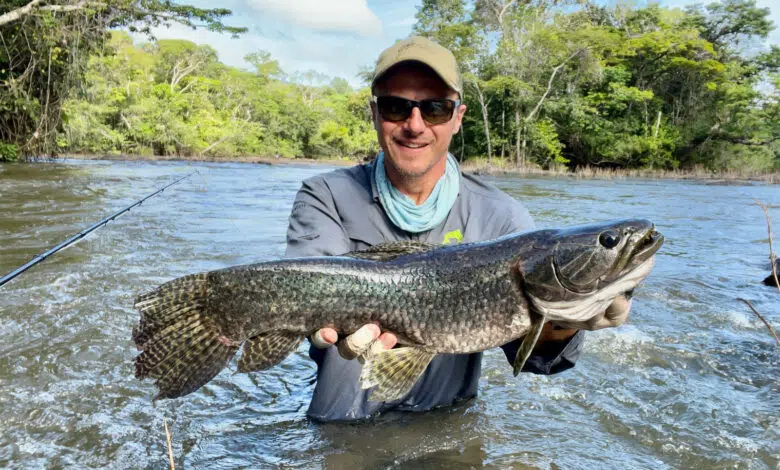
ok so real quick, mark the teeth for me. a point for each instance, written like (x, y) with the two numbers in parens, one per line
(413, 146)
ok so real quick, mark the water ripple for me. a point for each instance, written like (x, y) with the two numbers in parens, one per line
(689, 382)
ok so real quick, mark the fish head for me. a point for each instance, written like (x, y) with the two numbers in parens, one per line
(574, 274)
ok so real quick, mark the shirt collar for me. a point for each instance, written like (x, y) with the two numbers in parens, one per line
(371, 167)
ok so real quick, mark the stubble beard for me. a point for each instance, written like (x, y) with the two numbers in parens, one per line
(411, 175)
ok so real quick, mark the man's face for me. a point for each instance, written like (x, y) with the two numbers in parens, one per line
(413, 147)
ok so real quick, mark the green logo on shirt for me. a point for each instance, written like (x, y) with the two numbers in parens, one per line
(451, 238)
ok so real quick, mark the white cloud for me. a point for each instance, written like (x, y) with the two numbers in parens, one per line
(323, 15)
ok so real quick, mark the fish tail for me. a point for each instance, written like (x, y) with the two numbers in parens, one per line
(181, 347)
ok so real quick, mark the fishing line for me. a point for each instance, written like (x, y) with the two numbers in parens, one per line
(37, 259)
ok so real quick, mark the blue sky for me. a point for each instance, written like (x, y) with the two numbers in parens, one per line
(334, 37)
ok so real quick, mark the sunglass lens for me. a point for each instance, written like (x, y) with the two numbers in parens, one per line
(393, 109)
(437, 111)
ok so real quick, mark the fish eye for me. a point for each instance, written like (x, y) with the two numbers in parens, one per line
(609, 239)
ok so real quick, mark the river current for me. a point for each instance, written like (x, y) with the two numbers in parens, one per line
(691, 381)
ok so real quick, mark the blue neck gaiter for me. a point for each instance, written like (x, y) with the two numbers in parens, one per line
(404, 212)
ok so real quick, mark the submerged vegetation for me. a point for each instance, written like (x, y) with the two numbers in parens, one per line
(549, 85)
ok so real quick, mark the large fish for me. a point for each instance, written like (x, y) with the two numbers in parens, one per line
(436, 299)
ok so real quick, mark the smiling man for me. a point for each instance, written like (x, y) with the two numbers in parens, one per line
(413, 190)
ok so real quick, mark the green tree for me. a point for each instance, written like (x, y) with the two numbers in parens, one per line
(47, 45)
(264, 65)
(547, 84)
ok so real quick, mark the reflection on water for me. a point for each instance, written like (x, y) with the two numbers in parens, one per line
(690, 381)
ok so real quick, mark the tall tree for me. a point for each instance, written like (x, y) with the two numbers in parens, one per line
(46, 47)
(449, 23)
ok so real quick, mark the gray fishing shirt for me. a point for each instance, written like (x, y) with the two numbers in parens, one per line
(339, 212)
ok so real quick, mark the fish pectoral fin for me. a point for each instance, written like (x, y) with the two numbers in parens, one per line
(529, 341)
(393, 372)
(392, 250)
(267, 349)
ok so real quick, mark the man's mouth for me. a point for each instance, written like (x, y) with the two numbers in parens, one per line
(411, 145)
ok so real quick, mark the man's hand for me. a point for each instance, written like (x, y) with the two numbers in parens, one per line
(615, 315)
(355, 344)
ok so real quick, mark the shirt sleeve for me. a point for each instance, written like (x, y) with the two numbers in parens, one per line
(556, 356)
(552, 358)
(519, 219)
(315, 227)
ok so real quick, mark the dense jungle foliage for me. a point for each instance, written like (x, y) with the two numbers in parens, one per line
(550, 84)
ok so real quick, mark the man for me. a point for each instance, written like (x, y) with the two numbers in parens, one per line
(413, 190)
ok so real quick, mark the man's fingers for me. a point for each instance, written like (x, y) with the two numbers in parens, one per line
(388, 340)
(383, 343)
(373, 349)
(355, 344)
(324, 338)
(617, 312)
(615, 315)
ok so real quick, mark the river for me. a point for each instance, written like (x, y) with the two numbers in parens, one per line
(691, 381)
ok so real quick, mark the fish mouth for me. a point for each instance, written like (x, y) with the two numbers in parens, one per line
(587, 306)
(630, 267)
(640, 254)
(647, 246)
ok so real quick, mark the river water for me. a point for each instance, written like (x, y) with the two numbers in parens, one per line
(691, 381)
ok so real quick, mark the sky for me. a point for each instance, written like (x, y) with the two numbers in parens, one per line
(333, 37)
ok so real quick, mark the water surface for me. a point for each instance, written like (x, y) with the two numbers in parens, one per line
(691, 381)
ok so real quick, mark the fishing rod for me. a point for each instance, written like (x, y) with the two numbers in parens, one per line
(37, 259)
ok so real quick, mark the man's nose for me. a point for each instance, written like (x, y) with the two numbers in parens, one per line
(414, 123)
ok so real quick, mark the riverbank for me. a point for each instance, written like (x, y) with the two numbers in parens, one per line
(482, 167)
(198, 158)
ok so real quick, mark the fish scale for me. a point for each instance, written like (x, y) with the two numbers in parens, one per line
(452, 299)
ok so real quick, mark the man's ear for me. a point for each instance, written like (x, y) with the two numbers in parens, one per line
(459, 116)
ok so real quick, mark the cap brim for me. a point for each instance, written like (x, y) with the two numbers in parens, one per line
(420, 60)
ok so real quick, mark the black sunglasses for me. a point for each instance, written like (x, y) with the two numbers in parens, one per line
(434, 111)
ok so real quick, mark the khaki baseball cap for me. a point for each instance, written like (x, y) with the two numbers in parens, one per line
(420, 49)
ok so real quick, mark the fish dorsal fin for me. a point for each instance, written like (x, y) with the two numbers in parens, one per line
(267, 349)
(529, 341)
(394, 372)
(390, 251)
